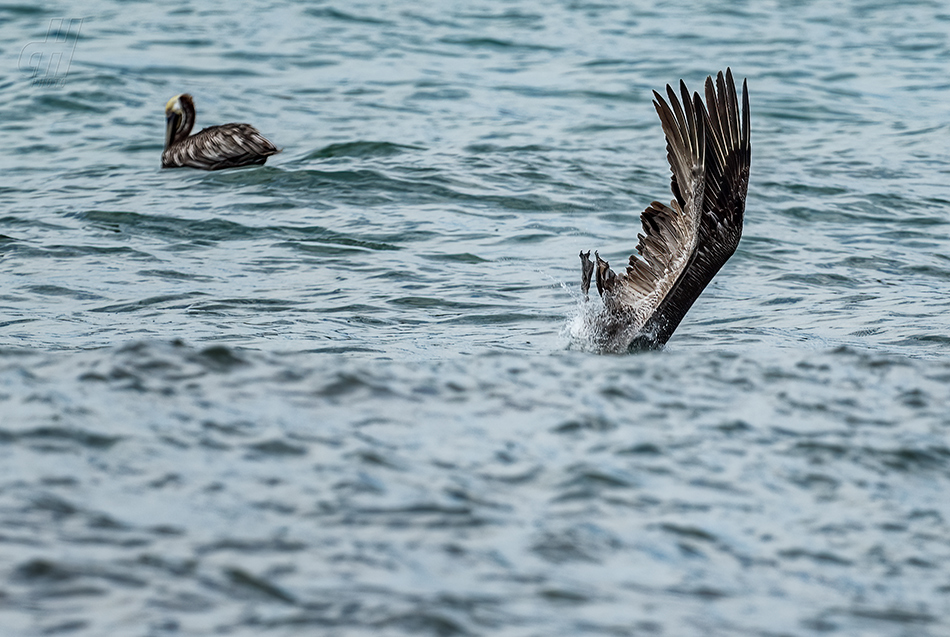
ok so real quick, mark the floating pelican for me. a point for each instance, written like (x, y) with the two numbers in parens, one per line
(213, 148)
(683, 245)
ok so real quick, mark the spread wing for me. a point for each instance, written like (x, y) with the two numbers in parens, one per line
(728, 158)
(683, 245)
(669, 232)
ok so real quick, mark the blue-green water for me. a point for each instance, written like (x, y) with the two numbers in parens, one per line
(338, 394)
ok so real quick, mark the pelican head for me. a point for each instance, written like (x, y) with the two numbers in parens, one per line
(179, 118)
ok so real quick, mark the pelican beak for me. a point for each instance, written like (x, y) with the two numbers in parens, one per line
(172, 121)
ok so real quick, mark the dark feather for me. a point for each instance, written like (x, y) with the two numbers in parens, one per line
(683, 245)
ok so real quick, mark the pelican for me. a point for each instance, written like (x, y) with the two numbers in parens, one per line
(213, 148)
(683, 245)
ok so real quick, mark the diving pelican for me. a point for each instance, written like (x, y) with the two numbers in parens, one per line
(214, 148)
(683, 245)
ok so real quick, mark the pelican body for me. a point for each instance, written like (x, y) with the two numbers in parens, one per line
(683, 245)
(214, 148)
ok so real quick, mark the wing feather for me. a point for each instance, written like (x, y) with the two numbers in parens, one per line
(682, 245)
(669, 232)
(217, 147)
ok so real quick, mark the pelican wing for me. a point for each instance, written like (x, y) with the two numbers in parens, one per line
(729, 155)
(682, 245)
(220, 147)
(669, 232)
(725, 184)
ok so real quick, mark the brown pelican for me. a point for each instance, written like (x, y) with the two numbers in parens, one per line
(213, 148)
(683, 245)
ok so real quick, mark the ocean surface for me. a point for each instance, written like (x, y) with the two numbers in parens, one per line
(344, 394)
